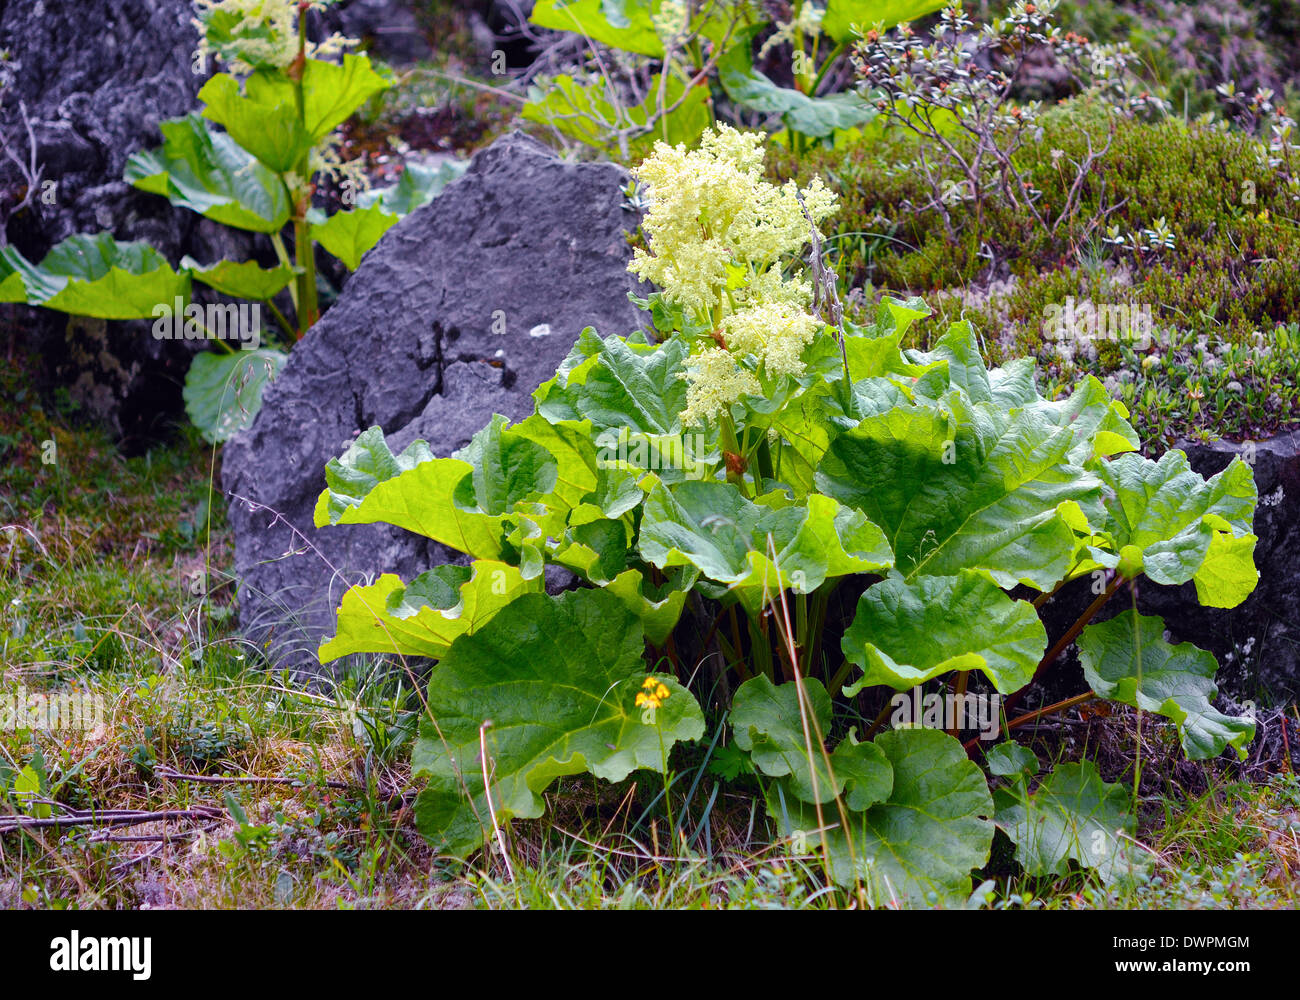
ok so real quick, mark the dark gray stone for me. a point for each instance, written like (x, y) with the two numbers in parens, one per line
(522, 239)
(389, 29)
(1257, 642)
(96, 77)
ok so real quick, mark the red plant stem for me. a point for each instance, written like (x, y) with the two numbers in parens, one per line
(1038, 713)
(735, 634)
(1071, 634)
(670, 650)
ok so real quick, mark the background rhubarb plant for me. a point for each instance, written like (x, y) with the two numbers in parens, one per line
(251, 159)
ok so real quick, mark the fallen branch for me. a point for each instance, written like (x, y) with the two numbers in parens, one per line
(30, 172)
(109, 818)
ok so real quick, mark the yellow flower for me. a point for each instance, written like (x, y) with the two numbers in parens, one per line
(658, 693)
(774, 332)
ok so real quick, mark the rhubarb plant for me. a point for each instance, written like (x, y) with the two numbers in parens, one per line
(804, 453)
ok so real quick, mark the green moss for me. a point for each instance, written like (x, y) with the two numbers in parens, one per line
(1231, 279)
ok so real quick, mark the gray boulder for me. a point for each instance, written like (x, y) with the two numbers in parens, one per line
(460, 311)
(389, 28)
(1258, 642)
(95, 78)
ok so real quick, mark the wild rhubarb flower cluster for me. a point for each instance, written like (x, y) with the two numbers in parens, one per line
(248, 35)
(720, 237)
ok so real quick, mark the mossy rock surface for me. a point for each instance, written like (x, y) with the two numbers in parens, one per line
(1223, 301)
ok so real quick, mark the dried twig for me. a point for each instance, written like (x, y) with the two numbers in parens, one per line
(29, 171)
(108, 818)
(826, 299)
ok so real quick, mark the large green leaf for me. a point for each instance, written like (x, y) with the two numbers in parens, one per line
(905, 633)
(805, 434)
(11, 282)
(223, 392)
(616, 384)
(918, 847)
(959, 350)
(426, 616)
(492, 499)
(1011, 760)
(813, 116)
(348, 235)
(1127, 659)
(99, 276)
(621, 24)
(627, 398)
(617, 491)
(658, 608)
(415, 491)
(557, 680)
(842, 15)
(577, 473)
(240, 279)
(1071, 816)
(709, 525)
(1095, 422)
(625, 456)
(333, 91)
(596, 549)
(506, 467)
(263, 120)
(1186, 527)
(769, 723)
(262, 115)
(1099, 423)
(209, 173)
(367, 463)
(865, 770)
(956, 486)
(1227, 576)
